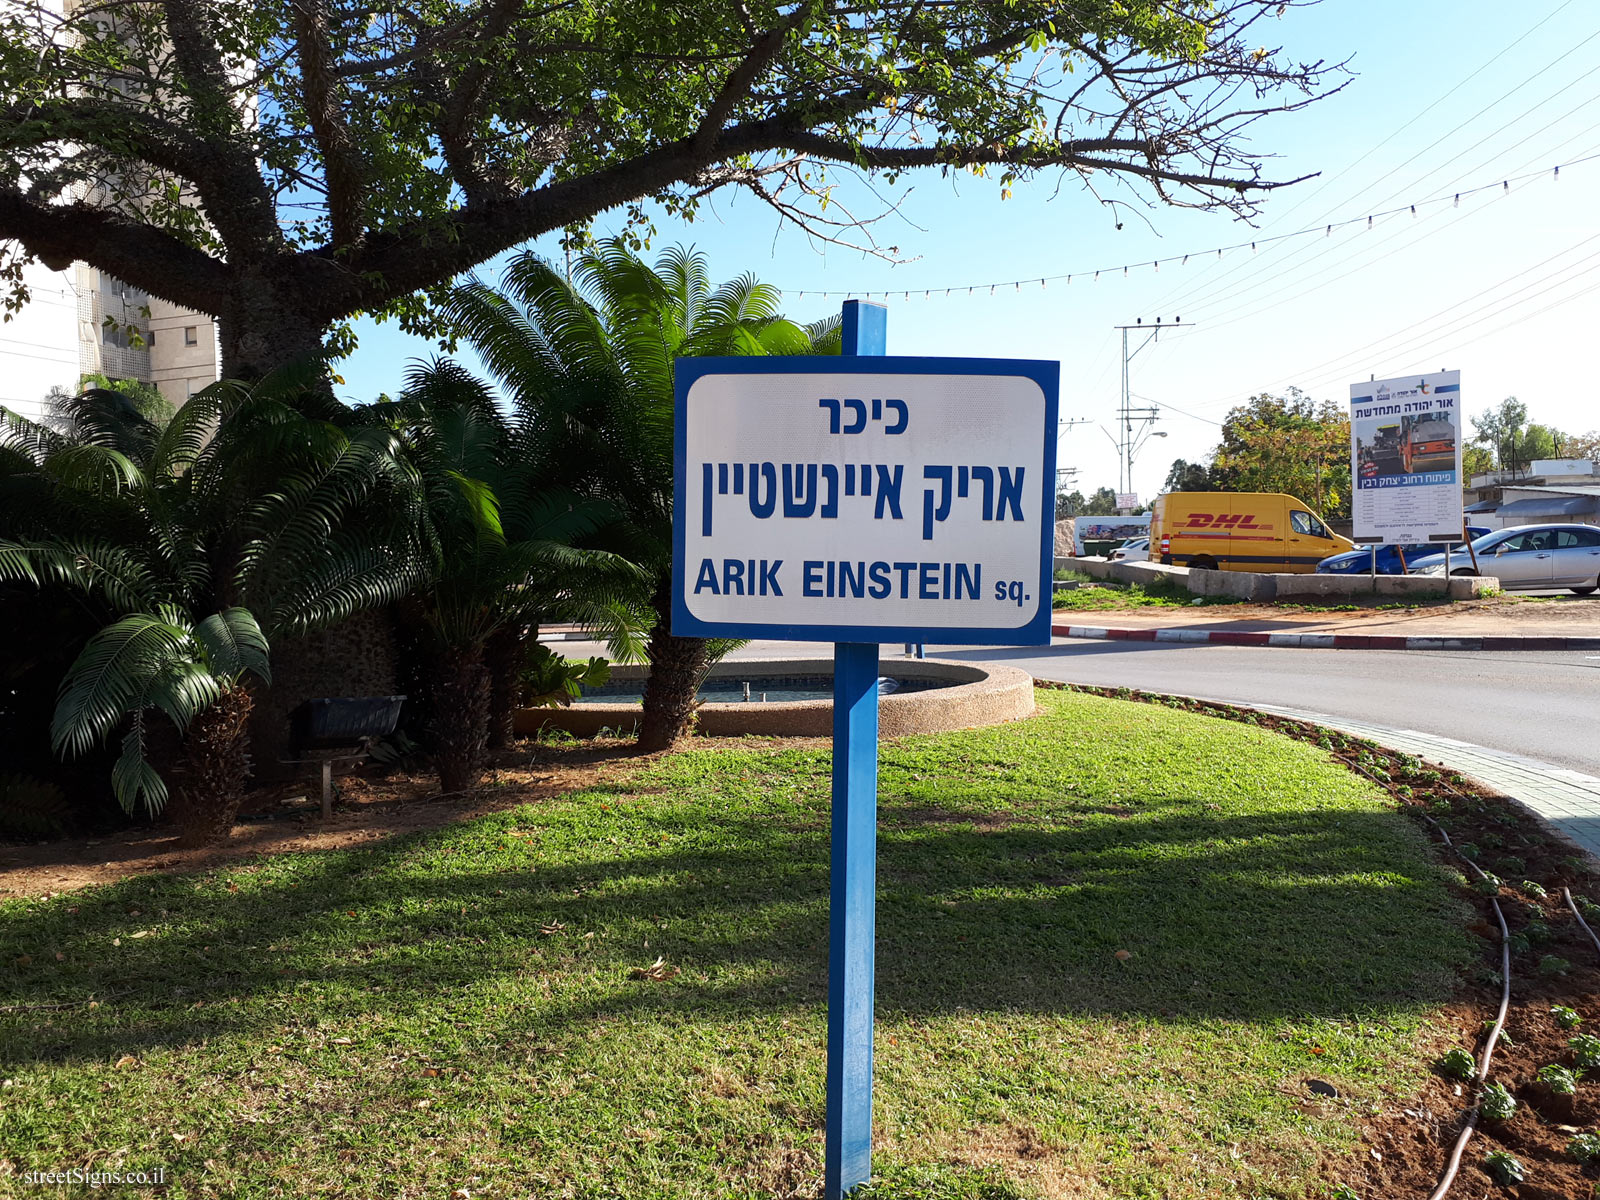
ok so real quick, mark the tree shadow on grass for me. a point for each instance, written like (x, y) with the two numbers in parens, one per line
(1252, 917)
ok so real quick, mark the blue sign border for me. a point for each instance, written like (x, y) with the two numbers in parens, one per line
(1047, 375)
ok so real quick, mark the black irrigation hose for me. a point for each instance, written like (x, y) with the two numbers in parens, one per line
(1567, 895)
(1454, 1163)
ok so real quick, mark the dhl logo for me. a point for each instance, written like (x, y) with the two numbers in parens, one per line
(1221, 521)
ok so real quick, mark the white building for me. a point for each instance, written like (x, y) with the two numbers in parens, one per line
(1550, 490)
(62, 334)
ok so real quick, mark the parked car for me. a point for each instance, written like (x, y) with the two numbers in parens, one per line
(1530, 557)
(1241, 531)
(1132, 550)
(1359, 562)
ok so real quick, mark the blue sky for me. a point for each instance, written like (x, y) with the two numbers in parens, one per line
(1449, 96)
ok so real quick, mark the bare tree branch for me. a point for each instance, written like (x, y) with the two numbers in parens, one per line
(320, 92)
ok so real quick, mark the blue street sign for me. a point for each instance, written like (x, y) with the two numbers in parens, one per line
(858, 500)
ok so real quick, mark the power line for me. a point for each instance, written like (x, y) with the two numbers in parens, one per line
(1341, 364)
(1300, 262)
(1182, 259)
(1180, 300)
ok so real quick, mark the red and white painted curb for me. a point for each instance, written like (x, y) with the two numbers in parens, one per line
(1322, 641)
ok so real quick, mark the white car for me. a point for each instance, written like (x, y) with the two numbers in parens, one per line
(1132, 550)
(1529, 558)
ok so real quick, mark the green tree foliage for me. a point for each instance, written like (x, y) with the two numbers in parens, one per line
(1512, 440)
(1582, 445)
(1186, 476)
(1101, 503)
(1289, 443)
(587, 366)
(285, 164)
(501, 532)
(145, 400)
(193, 544)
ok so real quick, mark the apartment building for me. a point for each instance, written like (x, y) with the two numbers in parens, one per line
(82, 322)
(63, 334)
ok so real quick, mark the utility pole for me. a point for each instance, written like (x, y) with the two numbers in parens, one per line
(1066, 476)
(1134, 424)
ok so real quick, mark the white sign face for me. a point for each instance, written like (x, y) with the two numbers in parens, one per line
(1405, 459)
(865, 499)
(1127, 499)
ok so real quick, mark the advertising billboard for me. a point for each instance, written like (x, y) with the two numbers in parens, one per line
(1405, 459)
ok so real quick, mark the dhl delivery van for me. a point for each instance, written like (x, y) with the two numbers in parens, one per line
(1240, 531)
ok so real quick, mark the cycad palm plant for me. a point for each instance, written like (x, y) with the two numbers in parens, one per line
(508, 553)
(587, 364)
(241, 519)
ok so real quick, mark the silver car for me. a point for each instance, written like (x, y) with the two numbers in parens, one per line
(1132, 550)
(1529, 558)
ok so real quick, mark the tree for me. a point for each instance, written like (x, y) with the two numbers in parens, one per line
(1582, 445)
(1102, 504)
(1186, 476)
(1499, 430)
(1475, 460)
(286, 164)
(502, 531)
(587, 364)
(194, 544)
(1290, 444)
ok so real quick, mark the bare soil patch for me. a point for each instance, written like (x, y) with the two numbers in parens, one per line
(372, 804)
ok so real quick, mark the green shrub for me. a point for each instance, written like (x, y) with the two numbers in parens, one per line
(548, 680)
(1458, 1064)
(1585, 1051)
(32, 809)
(1565, 1017)
(1498, 1104)
(1585, 1148)
(1560, 1080)
(1503, 1168)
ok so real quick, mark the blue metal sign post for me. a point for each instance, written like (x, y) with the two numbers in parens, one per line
(853, 891)
(858, 500)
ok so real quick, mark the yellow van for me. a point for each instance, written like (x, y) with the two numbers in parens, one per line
(1240, 531)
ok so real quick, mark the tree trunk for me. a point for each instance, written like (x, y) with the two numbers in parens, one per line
(213, 770)
(676, 667)
(460, 717)
(503, 656)
(262, 328)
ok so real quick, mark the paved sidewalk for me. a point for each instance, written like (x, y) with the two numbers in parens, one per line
(1568, 800)
(1318, 640)
(1565, 623)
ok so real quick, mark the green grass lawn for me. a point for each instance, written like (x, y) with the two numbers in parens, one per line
(456, 1010)
(1158, 593)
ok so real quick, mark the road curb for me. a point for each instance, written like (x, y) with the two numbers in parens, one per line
(1321, 641)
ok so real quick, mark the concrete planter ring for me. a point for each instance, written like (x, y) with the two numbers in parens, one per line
(933, 695)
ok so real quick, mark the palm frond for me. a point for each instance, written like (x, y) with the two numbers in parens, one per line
(34, 441)
(113, 677)
(97, 470)
(132, 776)
(235, 644)
(105, 568)
(183, 690)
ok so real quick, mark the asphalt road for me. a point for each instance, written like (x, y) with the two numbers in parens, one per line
(1546, 706)
(1542, 705)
